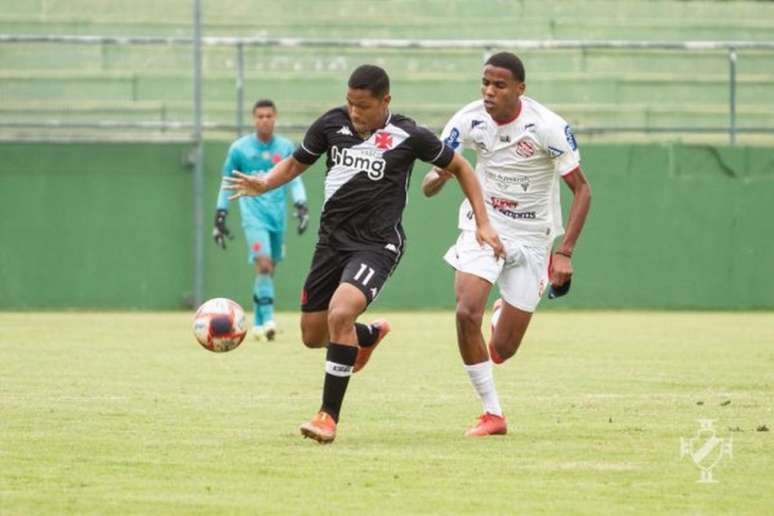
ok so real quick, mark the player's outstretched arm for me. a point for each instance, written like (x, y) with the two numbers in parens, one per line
(249, 186)
(561, 265)
(434, 181)
(472, 190)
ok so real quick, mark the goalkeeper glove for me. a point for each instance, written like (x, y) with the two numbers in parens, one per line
(302, 214)
(220, 232)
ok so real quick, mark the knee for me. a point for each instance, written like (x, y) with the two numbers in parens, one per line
(506, 348)
(469, 318)
(264, 266)
(340, 320)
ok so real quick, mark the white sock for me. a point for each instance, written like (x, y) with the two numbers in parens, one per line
(483, 381)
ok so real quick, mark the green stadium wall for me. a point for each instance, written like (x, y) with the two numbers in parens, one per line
(109, 226)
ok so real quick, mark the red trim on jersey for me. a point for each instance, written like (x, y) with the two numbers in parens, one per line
(512, 119)
(571, 171)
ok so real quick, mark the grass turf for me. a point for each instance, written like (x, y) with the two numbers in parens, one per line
(120, 413)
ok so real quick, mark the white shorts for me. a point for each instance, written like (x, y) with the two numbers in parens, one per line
(521, 277)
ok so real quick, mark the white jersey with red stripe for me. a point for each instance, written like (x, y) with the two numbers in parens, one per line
(519, 165)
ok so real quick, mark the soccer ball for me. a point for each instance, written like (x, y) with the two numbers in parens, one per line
(219, 325)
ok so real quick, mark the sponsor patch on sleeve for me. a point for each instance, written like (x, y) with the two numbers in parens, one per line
(570, 138)
(554, 152)
(453, 140)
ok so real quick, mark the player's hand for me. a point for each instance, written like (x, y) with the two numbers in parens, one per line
(302, 214)
(244, 185)
(220, 232)
(434, 180)
(443, 174)
(561, 270)
(485, 233)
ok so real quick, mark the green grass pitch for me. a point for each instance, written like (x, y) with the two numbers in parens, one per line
(117, 413)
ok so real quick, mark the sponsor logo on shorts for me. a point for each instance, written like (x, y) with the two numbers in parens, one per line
(360, 159)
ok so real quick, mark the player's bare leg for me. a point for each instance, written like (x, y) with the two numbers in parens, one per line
(347, 303)
(508, 329)
(314, 333)
(314, 329)
(471, 292)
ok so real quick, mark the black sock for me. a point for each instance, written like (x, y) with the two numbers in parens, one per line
(338, 368)
(366, 335)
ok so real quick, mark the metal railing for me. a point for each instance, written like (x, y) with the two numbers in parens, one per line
(239, 45)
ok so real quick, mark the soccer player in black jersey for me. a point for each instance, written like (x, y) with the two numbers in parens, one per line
(370, 153)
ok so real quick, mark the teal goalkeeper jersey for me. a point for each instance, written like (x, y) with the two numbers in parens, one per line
(250, 155)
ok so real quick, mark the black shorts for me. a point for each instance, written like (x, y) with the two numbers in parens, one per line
(367, 270)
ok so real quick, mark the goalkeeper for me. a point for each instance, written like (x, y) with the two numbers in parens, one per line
(263, 217)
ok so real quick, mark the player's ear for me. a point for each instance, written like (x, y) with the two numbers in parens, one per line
(387, 99)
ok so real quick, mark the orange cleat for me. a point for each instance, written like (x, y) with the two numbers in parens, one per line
(321, 428)
(488, 424)
(363, 354)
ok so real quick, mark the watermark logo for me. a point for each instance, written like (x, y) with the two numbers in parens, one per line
(706, 450)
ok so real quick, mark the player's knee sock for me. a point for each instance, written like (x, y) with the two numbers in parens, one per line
(366, 334)
(264, 297)
(483, 381)
(256, 309)
(339, 360)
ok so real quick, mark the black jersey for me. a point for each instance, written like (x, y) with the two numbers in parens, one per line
(367, 181)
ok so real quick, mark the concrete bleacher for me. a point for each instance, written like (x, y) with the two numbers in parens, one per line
(533, 19)
(591, 88)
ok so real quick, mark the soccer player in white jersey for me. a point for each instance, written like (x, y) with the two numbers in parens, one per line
(523, 150)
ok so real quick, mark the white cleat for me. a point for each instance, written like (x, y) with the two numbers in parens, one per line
(270, 330)
(258, 333)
